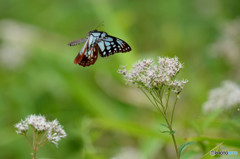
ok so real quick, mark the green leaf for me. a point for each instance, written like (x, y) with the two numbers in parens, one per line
(165, 132)
(168, 130)
(172, 132)
(208, 155)
(227, 142)
(164, 125)
(183, 146)
(190, 155)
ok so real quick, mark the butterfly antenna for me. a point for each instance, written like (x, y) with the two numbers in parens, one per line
(101, 24)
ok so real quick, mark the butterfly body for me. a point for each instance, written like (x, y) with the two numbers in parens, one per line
(97, 41)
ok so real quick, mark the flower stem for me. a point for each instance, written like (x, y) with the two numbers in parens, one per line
(175, 145)
(42, 143)
(34, 156)
(28, 140)
(173, 109)
(154, 104)
(163, 111)
(169, 92)
(173, 137)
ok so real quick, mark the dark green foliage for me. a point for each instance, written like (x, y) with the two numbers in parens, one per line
(100, 114)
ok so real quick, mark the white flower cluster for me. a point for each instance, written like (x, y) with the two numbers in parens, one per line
(224, 97)
(37, 122)
(16, 40)
(54, 131)
(146, 74)
(22, 127)
(227, 45)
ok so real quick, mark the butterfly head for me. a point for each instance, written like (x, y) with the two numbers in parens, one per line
(98, 34)
(93, 31)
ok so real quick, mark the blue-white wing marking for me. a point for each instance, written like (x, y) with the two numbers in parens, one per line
(88, 54)
(111, 45)
(89, 57)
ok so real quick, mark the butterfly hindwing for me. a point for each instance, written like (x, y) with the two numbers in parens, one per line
(90, 57)
(111, 45)
(80, 55)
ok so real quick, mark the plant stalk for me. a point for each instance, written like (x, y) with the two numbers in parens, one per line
(156, 104)
(173, 137)
(34, 153)
(175, 145)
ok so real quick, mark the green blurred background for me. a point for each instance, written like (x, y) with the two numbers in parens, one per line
(101, 115)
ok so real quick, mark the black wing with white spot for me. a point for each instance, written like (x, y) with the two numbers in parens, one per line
(111, 45)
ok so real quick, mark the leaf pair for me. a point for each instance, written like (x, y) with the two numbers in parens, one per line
(167, 131)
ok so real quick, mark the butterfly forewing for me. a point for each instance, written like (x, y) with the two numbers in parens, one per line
(77, 42)
(111, 45)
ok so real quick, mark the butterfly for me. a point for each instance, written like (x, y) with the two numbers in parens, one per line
(98, 41)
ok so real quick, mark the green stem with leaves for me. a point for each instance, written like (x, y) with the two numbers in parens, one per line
(158, 104)
(173, 137)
